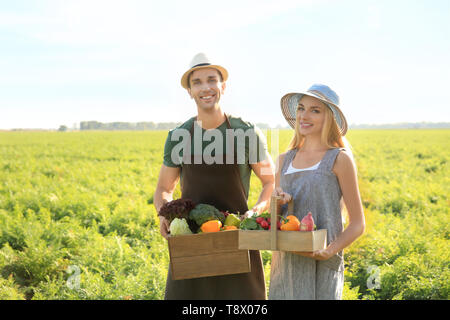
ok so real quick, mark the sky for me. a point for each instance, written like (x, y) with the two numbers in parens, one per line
(62, 62)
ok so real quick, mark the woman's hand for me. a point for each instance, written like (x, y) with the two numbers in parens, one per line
(284, 197)
(322, 254)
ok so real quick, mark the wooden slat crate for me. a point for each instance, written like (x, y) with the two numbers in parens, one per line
(207, 254)
(282, 240)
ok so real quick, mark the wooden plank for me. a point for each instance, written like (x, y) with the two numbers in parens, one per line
(254, 240)
(273, 221)
(189, 267)
(207, 254)
(282, 240)
(320, 239)
(286, 240)
(204, 243)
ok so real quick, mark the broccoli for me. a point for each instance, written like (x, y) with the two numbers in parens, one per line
(205, 212)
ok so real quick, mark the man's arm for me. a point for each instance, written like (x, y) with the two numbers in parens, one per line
(265, 171)
(283, 196)
(167, 182)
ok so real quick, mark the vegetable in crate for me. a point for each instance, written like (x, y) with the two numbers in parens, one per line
(249, 224)
(291, 223)
(229, 228)
(232, 220)
(307, 223)
(205, 212)
(259, 222)
(179, 227)
(211, 226)
(179, 208)
(225, 213)
(264, 224)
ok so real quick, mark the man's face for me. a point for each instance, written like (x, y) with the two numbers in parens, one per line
(206, 87)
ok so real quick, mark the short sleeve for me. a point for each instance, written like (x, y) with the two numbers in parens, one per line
(168, 146)
(255, 145)
(262, 144)
(255, 141)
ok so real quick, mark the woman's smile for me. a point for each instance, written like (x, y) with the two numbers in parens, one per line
(305, 125)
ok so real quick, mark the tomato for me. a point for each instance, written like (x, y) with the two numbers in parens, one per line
(264, 224)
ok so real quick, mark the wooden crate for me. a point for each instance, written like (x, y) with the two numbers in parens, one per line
(207, 254)
(282, 240)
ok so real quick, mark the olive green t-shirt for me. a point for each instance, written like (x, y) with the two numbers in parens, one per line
(250, 145)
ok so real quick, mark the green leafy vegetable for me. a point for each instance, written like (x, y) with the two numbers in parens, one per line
(179, 208)
(249, 224)
(205, 212)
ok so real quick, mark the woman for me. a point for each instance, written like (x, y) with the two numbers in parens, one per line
(316, 173)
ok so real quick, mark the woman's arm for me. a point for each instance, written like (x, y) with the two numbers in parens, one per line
(345, 171)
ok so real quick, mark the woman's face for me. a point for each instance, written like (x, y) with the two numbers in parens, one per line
(310, 115)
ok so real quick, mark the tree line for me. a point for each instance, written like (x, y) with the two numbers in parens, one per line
(95, 125)
(404, 125)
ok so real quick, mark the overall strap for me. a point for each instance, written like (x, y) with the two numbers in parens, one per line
(328, 159)
(290, 155)
(227, 116)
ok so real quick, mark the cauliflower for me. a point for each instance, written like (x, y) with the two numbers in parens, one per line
(179, 227)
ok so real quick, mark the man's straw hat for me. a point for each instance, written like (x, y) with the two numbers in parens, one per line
(201, 61)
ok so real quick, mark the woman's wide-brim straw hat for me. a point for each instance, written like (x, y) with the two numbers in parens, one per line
(289, 104)
(201, 61)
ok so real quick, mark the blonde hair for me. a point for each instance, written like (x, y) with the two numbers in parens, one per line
(330, 136)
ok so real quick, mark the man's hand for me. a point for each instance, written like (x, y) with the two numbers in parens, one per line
(168, 179)
(264, 170)
(248, 214)
(164, 227)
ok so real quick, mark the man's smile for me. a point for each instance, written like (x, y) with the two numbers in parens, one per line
(207, 97)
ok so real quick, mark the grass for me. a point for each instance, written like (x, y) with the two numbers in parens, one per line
(83, 201)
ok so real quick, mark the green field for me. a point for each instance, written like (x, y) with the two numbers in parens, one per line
(77, 219)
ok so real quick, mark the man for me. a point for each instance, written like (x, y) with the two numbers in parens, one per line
(219, 176)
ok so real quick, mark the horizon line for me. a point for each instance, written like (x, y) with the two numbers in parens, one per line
(261, 125)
